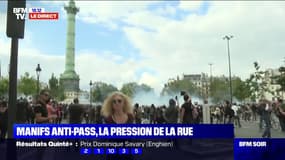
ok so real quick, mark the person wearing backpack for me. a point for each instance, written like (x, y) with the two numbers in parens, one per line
(229, 112)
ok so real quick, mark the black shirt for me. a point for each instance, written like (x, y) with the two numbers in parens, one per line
(187, 118)
(75, 113)
(110, 120)
(171, 114)
(41, 108)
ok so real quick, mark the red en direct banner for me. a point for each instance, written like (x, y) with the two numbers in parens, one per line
(43, 16)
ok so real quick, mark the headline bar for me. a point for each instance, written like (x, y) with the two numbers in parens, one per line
(32, 131)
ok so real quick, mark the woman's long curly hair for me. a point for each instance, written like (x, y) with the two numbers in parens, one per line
(107, 109)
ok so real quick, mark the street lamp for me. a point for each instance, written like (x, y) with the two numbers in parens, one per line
(38, 71)
(230, 76)
(90, 93)
(211, 64)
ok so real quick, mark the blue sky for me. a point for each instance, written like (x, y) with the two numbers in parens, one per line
(50, 36)
(150, 42)
(92, 37)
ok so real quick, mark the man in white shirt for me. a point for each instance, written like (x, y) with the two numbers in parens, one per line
(236, 116)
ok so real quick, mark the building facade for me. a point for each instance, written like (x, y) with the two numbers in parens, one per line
(201, 81)
(273, 88)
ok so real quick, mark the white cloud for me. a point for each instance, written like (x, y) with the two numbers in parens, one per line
(175, 47)
(166, 11)
(90, 65)
(147, 19)
(107, 12)
(188, 46)
(190, 5)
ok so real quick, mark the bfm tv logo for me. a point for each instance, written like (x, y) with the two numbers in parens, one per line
(34, 14)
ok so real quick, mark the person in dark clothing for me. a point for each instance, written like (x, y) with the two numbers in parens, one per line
(186, 115)
(171, 113)
(41, 112)
(138, 114)
(152, 114)
(92, 114)
(22, 111)
(3, 119)
(31, 114)
(267, 118)
(75, 112)
(98, 117)
(41, 117)
(229, 112)
(254, 111)
(159, 116)
(261, 112)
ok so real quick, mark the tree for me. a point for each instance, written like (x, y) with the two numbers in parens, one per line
(60, 94)
(280, 79)
(241, 90)
(219, 89)
(101, 90)
(257, 83)
(55, 88)
(27, 85)
(4, 86)
(130, 89)
(145, 88)
(177, 86)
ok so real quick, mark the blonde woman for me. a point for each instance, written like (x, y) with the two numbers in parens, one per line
(117, 109)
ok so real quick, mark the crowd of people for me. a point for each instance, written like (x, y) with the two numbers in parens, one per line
(117, 108)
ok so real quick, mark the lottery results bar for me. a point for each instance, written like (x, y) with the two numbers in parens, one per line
(136, 141)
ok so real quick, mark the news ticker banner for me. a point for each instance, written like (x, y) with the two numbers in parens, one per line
(259, 148)
(103, 131)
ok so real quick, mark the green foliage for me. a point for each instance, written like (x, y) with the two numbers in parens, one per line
(53, 85)
(56, 89)
(257, 84)
(177, 86)
(130, 89)
(60, 95)
(241, 90)
(4, 86)
(101, 90)
(281, 79)
(27, 85)
(219, 89)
